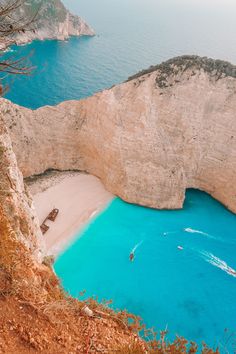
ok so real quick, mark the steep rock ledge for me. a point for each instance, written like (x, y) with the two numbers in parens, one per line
(16, 203)
(148, 139)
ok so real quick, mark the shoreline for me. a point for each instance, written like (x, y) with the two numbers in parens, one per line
(21, 43)
(79, 198)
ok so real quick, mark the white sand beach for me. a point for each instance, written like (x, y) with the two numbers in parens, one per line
(79, 197)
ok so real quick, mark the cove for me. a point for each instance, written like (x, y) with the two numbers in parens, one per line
(192, 290)
(182, 276)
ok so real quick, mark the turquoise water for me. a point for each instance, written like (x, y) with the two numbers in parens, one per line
(131, 35)
(192, 290)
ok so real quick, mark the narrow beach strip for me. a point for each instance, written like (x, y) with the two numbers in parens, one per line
(79, 197)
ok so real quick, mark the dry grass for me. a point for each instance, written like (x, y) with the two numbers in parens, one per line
(133, 348)
(162, 346)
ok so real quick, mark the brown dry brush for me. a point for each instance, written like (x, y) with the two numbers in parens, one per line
(162, 346)
(154, 342)
(12, 25)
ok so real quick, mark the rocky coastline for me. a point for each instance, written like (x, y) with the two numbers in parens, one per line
(52, 21)
(147, 142)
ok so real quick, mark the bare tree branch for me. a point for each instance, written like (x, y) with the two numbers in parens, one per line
(10, 26)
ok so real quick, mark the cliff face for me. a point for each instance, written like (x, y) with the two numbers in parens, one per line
(170, 128)
(36, 315)
(53, 21)
(16, 203)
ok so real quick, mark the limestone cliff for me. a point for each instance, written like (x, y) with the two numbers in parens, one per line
(15, 201)
(53, 21)
(169, 128)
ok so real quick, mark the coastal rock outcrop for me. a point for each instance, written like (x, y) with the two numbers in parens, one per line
(169, 128)
(53, 21)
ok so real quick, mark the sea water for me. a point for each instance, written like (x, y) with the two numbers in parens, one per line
(183, 276)
(131, 35)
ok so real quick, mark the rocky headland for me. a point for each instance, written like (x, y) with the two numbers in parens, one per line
(166, 129)
(50, 20)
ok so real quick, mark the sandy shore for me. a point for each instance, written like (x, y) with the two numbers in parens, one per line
(79, 197)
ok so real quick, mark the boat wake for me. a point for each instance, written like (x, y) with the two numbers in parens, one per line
(192, 231)
(217, 262)
(136, 246)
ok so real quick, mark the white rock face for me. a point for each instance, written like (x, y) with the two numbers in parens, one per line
(148, 139)
(53, 21)
(16, 204)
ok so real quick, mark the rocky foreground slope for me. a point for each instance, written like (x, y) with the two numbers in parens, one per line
(167, 129)
(52, 21)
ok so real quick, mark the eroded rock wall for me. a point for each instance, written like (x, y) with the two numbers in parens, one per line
(148, 139)
(16, 205)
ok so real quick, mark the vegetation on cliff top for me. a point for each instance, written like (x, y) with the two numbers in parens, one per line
(53, 10)
(11, 25)
(215, 68)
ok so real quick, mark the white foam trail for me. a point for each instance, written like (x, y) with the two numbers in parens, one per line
(136, 246)
(217, 262)
(188, 229)
(192, 231)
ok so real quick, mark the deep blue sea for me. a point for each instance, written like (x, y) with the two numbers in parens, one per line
(131, 35)
(182, 277)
